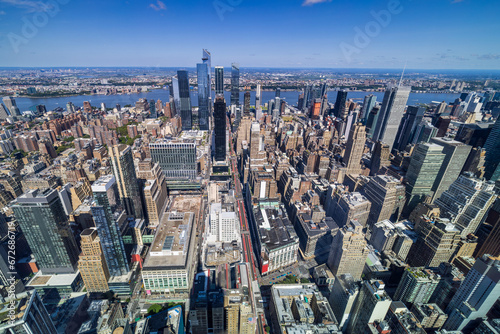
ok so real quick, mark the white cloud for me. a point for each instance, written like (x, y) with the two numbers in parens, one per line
(159, 6)
(33, 6)
(313, 2)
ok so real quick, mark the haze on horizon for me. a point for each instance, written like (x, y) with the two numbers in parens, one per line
(441, 34)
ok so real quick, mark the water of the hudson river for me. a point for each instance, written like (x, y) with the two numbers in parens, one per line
(24, 103)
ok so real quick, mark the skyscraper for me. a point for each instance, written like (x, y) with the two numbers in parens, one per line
(124, 171)
(235, 84)
(41, 217)
(368, 104)
(4, 113)
(207, 60)
(416, 286)
(11, 105)
(340, 108)
(492, 158)
(391, 113)
(219, 80)
(348, 253)
(152, 109)
(108, 214)
(92, 264)
(220, 127)
(246, 102)
(343, 296)
(381, 156)
(407, 127)
(177, 159)
(355, 148)
(203, 95)
(387, 196)
(258, 107)
(424, 167)
(476, 295)
(184, 99)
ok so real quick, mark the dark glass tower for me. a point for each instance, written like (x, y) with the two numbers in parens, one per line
(235, 84)
(409, 123)
(184, 100)
(220, 128)
(219, 80)
(203, 95)
(492, 159)
(152, 109)
(340, 109)
(246, 105)
(41, 216)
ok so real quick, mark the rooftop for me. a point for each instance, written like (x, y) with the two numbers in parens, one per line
(275, 228)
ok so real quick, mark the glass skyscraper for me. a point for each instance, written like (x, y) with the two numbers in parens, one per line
(152, 109)
(492, 159)
(203, 95)
(235, 84)
(184, 99)
(177, 159)
(107, 213)
(219, 80)
(220, 127)
(41, 216)
(207, 60)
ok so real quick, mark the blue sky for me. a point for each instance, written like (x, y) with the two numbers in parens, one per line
(427, 34)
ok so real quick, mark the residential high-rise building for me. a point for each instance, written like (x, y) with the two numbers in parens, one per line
(126, 179)
(424, 168)
(31, 317)
(354, 149)
(92, 264)
(41, 216)
(203, 95)
(184, 101)
(372, 305)
(466, 202)
(343, 296)
(391, 113)
(368, 104)
(207, 60)
(387, 196)
(220, 119)
(349, 252)
(476, 296)
(411, 119)
(340, 109)
(235, 84)
(416, 286)
(246, 102)
(108, 217)
(456, 154)
(177, 159)
(431, 316)
(154, 188)
(492, 158)
(219, 80)
(258, 102)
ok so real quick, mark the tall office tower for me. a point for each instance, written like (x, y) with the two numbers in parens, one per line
(152, 109)
(124, 171)
(207, 59)
(278, 92)
(177, 159)
(4, 113)
(476, 296)
(466, 202)
(411, 119)
(368, 104)
(176, 98)
(492, 158)
(348, 253)
(416, 286)
(203, 95)
(235, 84)
(387, 196)
(220, 119)
(41, 217)
(70, 107)
(246, 102)
(108, 217)
(491, 245)
(456, 154)
(11, 105)
(31, 317)
(381, 156)
(372, 305)
(223, 224)
(372, 119)
(92, 264)
(391, 113)
(258, 96)
(354, 149)
(424, 167)
(343, 296)
(340, 108)
(219, 80)
(437, 242)
(276, 108)
(183, 99)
